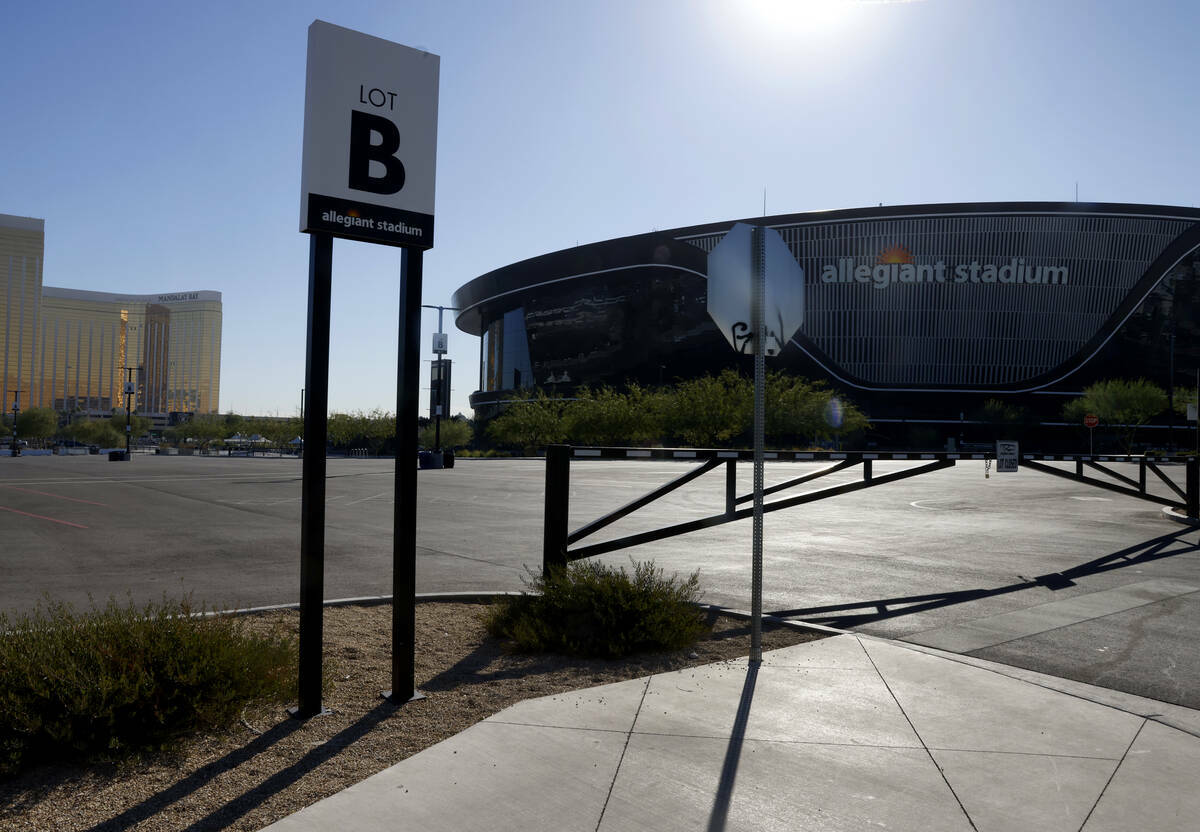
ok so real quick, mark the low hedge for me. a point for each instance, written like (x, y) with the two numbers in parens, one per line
(590, 609)
(118, 679)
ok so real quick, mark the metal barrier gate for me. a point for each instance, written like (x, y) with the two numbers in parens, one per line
(557, 539)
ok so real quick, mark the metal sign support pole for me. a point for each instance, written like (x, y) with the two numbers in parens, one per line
(312, 488)
(757, 301)
(404, 534)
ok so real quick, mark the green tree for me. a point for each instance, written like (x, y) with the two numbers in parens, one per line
(609, 417)
(138, 425)
(1003, 420)
(37, 423)
(710, 411)
(798, 409)
(1124, 405)
(360, 429)
(1183, 397)
(456, 433)
(531, 424)
(279, 431)
(95, 432)
(206, 428)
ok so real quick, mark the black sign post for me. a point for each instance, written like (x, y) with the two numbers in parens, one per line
(404, 531)
(312, 488)
(359, 88)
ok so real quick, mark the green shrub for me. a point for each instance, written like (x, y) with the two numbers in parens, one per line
(120, 679)
(589, 609)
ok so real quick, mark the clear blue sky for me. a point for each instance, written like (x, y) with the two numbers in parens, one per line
(161, 141)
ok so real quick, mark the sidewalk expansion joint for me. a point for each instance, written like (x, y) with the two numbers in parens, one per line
(624, 748)
(917, 734)
(557, 727)
(1108, 782)
(1023, 753)
(772, 741)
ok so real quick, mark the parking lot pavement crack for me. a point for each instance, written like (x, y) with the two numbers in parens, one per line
(917, 734)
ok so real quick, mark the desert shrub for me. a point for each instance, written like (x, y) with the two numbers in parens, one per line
(117, 679)
(589, 609)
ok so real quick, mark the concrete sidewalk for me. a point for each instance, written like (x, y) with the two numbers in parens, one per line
(847, 733)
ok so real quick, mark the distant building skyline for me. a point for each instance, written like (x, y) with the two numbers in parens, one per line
(70, 349)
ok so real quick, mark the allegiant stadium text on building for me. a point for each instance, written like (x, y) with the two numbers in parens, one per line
(883, 275)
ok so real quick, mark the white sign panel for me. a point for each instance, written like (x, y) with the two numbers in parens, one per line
(370, 138)
(730, 266)
(439, 343)
(1006, 457)
(1191, 412)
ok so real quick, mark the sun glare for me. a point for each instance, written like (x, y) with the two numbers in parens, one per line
(817, 17)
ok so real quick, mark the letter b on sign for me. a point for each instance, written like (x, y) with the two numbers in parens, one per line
(363, 129)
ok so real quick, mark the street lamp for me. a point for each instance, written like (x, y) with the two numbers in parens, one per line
(16, 409)
(130, 388)
(439, 347)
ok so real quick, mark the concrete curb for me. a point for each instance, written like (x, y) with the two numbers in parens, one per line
(487, 597)
(376, 600)
(1174, 514)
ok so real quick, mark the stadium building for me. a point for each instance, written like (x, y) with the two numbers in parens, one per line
(919, 314)
(72, 350)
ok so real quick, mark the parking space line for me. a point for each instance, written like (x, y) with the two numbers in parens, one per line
(59, 496)
(42, 517)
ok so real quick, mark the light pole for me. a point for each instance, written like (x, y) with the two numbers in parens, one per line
(129, 388)
(16, 409)
(439, 347)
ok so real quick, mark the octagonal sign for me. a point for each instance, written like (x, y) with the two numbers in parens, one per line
(730, 272)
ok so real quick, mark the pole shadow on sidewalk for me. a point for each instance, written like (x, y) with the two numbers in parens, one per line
(733, 753)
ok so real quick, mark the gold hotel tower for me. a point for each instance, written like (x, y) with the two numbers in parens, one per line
(73, 350)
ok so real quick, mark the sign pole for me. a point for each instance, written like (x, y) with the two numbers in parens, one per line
(404, 534)
(758, 324)
(312, 488)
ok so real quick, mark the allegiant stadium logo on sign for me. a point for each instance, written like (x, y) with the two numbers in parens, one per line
(895, 265)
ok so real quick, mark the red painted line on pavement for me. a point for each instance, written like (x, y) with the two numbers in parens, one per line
(41, 517)
(59, 496)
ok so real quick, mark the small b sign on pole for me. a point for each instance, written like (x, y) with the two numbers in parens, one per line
(1006, 457)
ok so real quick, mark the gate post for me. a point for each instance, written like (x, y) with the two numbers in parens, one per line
(558, 502)
(1193, 487)
(731, 486)
(1142, 475)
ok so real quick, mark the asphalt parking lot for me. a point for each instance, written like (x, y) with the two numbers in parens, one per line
(1021, 568)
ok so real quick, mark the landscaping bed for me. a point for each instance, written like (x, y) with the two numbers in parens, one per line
(270, 766)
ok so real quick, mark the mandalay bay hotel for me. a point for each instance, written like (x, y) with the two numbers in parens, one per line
(73, 350)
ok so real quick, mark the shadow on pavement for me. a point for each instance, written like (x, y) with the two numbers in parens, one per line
(733, 754)
(841, 615)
